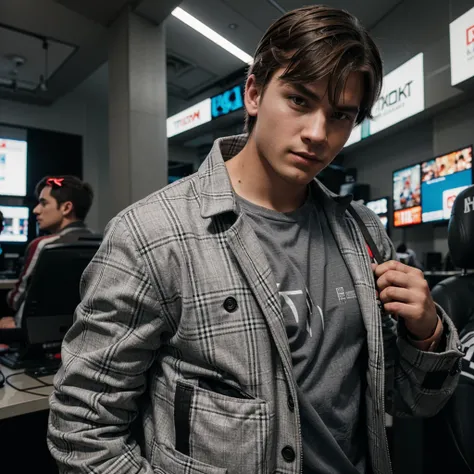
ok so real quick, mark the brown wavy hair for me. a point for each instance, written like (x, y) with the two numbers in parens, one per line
(315, 42)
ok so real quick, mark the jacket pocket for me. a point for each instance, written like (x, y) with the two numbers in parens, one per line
(223, 388)
(173, 462)
(221, 425)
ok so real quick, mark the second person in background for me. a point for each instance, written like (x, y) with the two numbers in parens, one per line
(63, 204)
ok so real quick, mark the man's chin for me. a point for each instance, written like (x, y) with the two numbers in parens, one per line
(306, 176)
(298, 180)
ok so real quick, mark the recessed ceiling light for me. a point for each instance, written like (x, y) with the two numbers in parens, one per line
(211, 34)
(233, 26)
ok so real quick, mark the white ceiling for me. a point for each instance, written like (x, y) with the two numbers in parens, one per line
(59, 24)
(81, 24)
(16, 47)
(195, 64)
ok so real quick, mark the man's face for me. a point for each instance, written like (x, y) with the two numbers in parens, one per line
(48, 214)
(297, 132)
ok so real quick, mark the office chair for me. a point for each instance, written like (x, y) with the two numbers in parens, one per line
(450, 435)
(51, 299)
(91, 237)
(433, 261)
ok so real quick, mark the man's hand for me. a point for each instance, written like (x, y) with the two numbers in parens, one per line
(7, 323)
(404, 292)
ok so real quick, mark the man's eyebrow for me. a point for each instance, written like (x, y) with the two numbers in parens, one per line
(348, 108)
(302, 89)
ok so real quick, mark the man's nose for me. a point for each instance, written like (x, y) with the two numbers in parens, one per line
(315, 130)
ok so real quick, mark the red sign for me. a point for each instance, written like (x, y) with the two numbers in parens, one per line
(407, 217)
(188, 119)
(470, 35)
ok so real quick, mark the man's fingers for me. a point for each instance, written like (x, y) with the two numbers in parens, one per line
(396, 266)
(392, 293)
(393, 278)
(7, 323)
(404, 310)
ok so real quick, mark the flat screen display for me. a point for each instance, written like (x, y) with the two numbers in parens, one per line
(442, 179)
(227, 102)
(380, 207)
(15, 221)
(407, 196)
(12, 167)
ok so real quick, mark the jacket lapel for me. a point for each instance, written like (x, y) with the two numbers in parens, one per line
(250, 256)
(217, 198)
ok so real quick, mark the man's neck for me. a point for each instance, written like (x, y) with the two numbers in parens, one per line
(255, 180)
(65, 223)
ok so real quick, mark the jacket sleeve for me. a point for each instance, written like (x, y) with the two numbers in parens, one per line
(418, 383)
(463, 400)
(105, 357)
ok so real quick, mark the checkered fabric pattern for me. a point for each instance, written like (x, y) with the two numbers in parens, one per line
(180, 291)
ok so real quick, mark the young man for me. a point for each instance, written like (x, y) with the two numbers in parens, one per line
(234, 315)
(63, 204)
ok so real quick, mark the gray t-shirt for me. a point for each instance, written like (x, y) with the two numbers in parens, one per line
(325, 332)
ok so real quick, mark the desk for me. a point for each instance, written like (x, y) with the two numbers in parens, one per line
(14, 403)
(23, 426)
(7, 284)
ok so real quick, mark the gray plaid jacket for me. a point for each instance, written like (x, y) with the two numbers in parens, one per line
(178, 360)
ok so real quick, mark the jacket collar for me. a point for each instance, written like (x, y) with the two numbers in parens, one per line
(216, 192)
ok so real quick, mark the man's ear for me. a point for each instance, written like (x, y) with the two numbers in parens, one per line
(67, 208)
(252, 96)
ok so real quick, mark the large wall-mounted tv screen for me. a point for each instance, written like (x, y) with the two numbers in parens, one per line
(15, 221)
(12, 167)
(407, 196)
(442, 179)
(380, 207)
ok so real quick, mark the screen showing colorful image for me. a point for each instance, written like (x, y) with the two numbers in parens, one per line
(442, 179)
(15, 222)
(407, 196)
(380, 207)
(12, 167)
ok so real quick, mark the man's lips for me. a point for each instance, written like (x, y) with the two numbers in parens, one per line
(307, 156)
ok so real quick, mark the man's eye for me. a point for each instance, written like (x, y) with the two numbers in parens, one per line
(298, 100)
(341, 116)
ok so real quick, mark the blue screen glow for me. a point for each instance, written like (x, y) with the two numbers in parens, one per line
(227, 102)
(443, 178)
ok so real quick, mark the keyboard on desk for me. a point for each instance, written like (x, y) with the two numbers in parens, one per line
(6, 275)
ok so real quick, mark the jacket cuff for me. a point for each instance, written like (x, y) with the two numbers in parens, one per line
(445, 361)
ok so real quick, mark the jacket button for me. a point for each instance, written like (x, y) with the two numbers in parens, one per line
(291, 403)
(456, 368)
(230, 304)
(288, 454)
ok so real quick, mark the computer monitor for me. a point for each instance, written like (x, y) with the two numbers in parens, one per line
(380, 207)
(13, 167)
(407, 196)
(442, 179)
(15, 221)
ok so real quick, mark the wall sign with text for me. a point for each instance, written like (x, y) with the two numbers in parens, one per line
(461, 39)
(227, 102)
(402, 96)
(189, 118)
